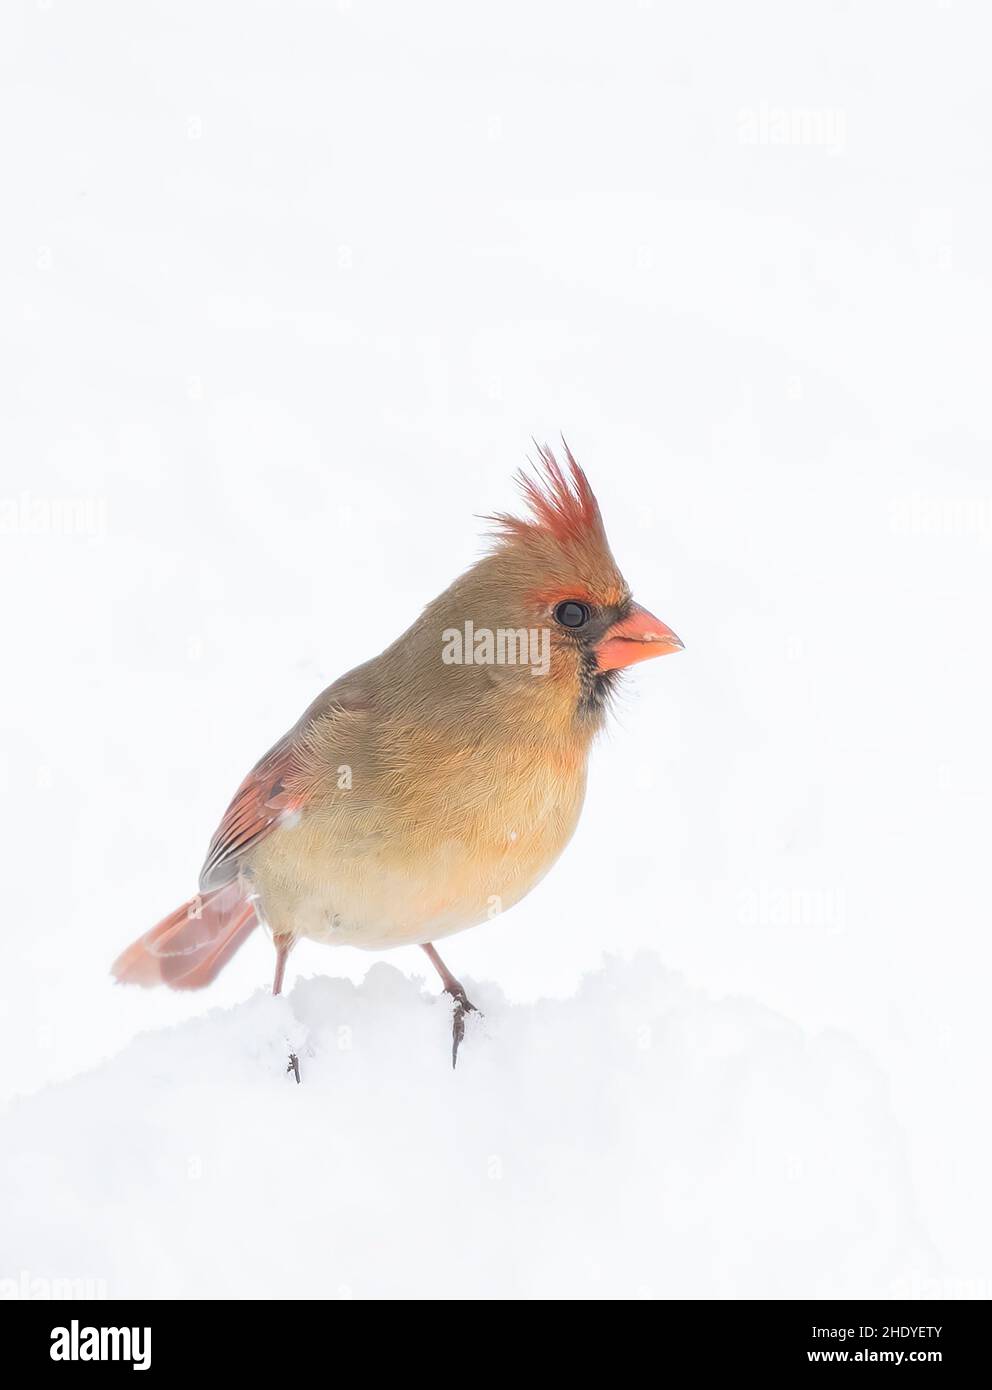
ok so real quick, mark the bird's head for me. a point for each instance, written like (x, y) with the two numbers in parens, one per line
(542, 626)
(560, 574)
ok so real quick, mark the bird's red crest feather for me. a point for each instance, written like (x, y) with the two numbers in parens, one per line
(561, 501)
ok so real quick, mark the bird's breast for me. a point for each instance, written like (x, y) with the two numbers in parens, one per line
(424, 851)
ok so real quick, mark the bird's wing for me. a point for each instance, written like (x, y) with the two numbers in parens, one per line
(278, 786)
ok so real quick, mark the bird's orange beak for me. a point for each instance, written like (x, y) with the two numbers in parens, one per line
(637, 637)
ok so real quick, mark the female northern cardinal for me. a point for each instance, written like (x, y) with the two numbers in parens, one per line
(434, 786)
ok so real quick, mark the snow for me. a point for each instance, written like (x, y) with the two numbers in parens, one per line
(287, 288)
(592, 1147)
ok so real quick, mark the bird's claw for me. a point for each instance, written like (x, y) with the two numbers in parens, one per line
(463, 1006)
(294, 1066)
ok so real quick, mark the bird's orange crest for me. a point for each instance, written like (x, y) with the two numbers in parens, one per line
(562, 503)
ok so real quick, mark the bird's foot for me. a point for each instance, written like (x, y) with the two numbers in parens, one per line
(463, 1006)
(294, 1066)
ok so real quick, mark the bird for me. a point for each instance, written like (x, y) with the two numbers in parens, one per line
(431, 788)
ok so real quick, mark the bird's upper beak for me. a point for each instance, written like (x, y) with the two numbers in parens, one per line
(637, 637)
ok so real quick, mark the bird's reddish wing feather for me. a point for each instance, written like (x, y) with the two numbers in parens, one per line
(268, 794)
(277, 786)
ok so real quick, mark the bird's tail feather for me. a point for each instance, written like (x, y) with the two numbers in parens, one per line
(190, 946)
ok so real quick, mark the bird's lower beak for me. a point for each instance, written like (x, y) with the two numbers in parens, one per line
(639, 636)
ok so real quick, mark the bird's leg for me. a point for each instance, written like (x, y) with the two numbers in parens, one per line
(463, 1004)
(283, 945)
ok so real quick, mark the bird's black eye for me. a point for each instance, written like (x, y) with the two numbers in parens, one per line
(571, 613)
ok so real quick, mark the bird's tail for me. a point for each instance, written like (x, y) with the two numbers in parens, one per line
(188, 948)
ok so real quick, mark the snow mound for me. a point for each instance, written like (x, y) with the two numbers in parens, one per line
(636, 1140)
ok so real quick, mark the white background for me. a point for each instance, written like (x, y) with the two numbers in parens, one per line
(286, 291)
